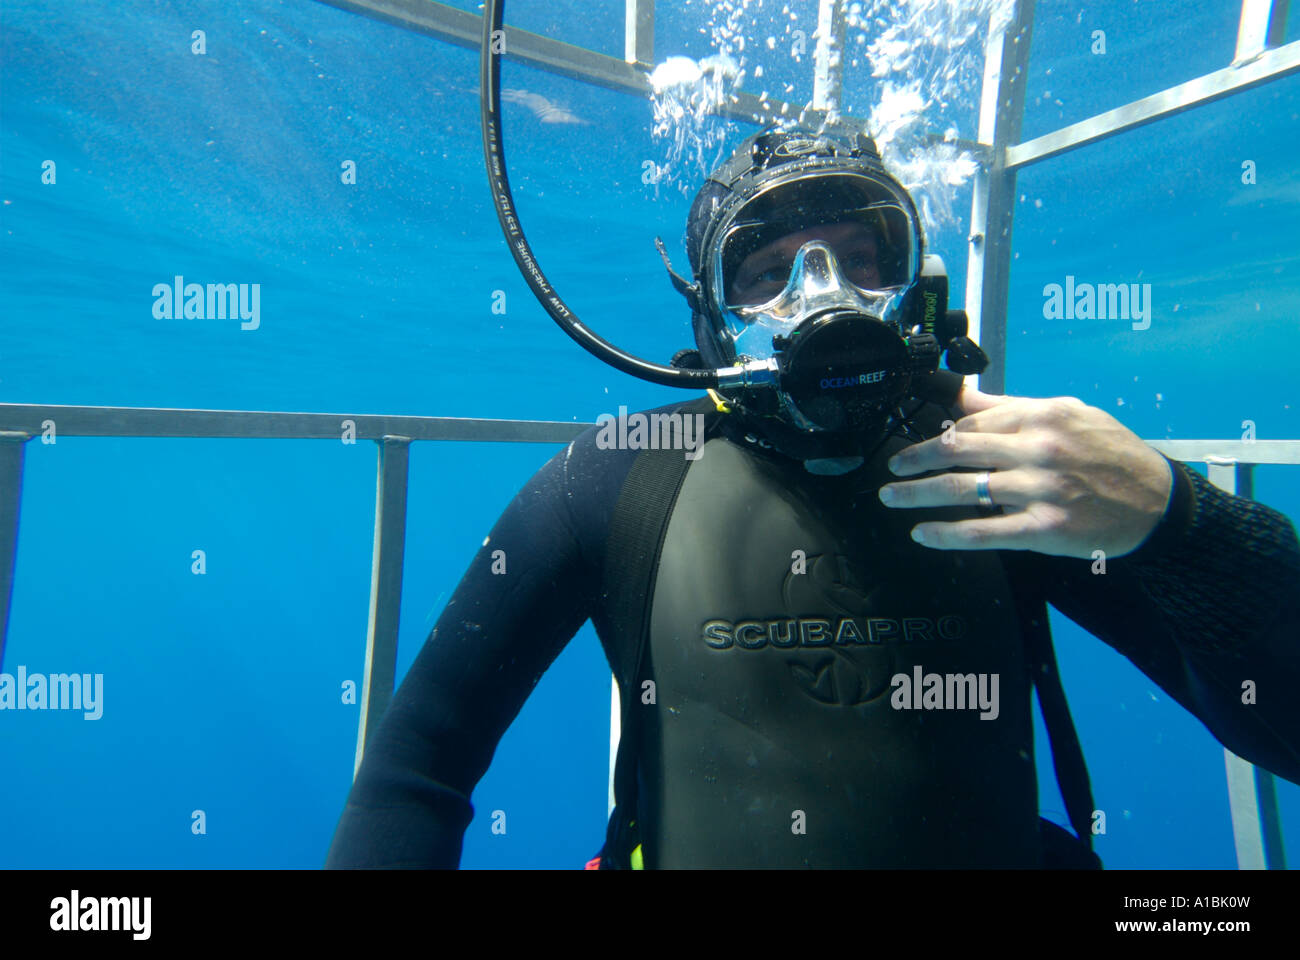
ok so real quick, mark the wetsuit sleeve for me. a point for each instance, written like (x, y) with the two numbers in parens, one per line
(409, 805)
(1208, 607)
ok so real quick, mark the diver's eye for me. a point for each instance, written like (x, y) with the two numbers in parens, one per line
(762, 284)
(862, 269)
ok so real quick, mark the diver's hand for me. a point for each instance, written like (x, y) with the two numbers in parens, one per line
(1071, 479)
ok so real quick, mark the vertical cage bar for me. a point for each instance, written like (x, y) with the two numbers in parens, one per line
(615, 731)
(1270, 819)
(1252, 792)
(1243, 804)
(11, 496)
(988, 270)
(639, 32)
(1277, 23)
(385, 587)
(1253, 29)
(828, 56)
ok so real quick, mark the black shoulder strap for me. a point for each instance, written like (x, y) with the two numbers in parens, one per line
(1067, 755)
(631, 562)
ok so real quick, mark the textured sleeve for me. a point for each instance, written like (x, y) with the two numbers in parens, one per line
(409, 805)
(1208, 607)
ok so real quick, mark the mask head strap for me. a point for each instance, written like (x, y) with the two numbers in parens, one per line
(691, 291)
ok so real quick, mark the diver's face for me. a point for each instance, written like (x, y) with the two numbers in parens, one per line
(764, 273)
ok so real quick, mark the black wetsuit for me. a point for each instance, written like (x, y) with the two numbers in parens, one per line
(761, 719)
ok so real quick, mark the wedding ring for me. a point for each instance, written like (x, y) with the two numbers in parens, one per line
(982, 490)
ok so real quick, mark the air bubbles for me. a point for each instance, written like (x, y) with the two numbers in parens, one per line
(685, 102)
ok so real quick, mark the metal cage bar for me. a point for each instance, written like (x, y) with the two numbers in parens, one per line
(385, 587)
(1262, 25)
(273, 425)
(465, 29)
(828, 56)
(988, 267)
(11, 494)
(1269, 65)
(639, 33)
(19, 422)
(1252, 792)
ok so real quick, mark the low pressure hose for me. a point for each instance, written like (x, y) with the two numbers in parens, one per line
(493, 48)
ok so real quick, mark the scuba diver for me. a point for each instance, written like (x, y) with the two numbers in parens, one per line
(815, 673)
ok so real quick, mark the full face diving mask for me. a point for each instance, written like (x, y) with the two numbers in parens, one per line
(819, 275)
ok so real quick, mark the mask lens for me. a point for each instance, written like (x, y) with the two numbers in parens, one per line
(871, 245)
(861, 219)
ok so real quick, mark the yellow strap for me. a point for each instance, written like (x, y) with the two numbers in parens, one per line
(637, 862)
(719, 402)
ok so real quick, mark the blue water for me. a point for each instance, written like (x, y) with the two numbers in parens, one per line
(223, 691)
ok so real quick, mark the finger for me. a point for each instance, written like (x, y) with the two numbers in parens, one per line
(1016, 531)
(990, 450)
(1007, 488)
(1018, 411)
(971, 400)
